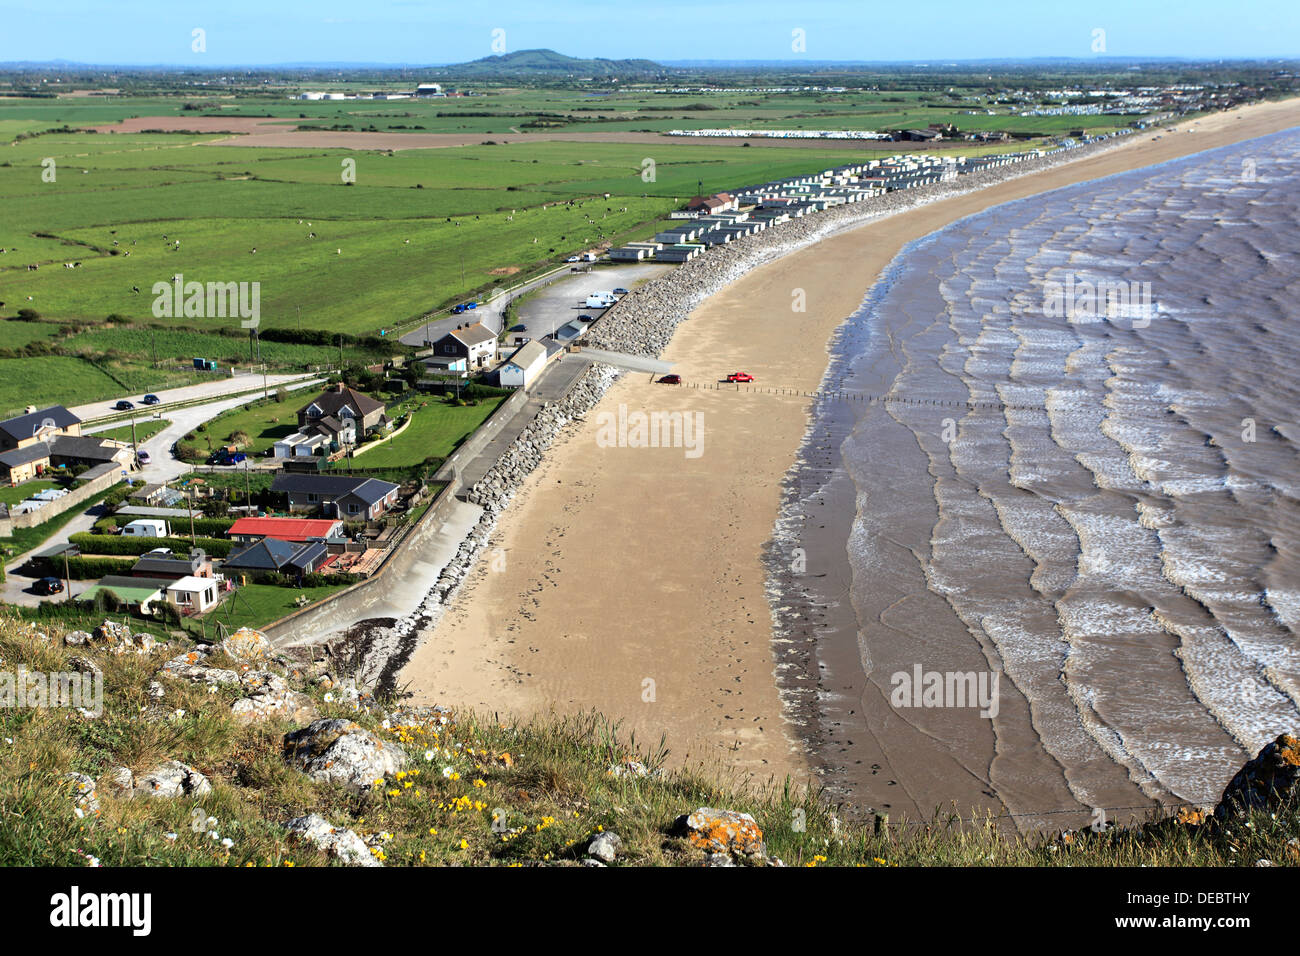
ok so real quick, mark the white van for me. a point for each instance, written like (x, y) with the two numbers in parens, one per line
(600, 300)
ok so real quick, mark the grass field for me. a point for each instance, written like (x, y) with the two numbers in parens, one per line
(264, 424)
(145, 428)
(256, 605)
(435, 430)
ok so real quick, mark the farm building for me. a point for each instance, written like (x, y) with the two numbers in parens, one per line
(298, 530)
(522, 368)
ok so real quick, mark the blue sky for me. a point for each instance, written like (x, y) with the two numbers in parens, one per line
(250, 32)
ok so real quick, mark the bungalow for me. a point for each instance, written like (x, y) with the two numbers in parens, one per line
(134, 592)
(339, 496)
(476, 344)
(297, 530)
(193, 594)
(286, 557)
(523, 367)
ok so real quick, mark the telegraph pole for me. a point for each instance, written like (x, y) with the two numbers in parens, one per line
(67, 578)
(135, 450)
(193, 542)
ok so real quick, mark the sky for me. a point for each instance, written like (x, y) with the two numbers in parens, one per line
(265, 32)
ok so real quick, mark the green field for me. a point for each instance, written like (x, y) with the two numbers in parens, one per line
(256, 605)
(145, 428)
(10, 495)
(418, 230)
(436, 429)
(264, 423)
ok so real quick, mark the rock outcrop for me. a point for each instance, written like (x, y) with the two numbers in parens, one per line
(1265, 782)
(342, 845)
(342, 752)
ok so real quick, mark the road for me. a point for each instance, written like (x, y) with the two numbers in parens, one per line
(216, 388)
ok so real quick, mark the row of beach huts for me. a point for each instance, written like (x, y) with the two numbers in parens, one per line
(724, 217)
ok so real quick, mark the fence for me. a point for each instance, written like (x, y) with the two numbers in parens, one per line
(77, 496)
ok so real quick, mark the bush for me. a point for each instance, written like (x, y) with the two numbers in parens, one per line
(82, 568)
(120, 544)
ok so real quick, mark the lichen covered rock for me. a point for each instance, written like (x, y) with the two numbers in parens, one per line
(340, 751)
(1264, 782)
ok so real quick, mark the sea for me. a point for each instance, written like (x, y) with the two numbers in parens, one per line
(1055, 463)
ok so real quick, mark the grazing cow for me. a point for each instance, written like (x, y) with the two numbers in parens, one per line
(135, 288)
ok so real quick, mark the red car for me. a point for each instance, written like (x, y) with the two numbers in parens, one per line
(740, 377)
(670, 380)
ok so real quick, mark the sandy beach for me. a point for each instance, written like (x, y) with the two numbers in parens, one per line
(632, 580)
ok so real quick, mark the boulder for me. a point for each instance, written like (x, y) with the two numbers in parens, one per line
(282, 704)
(76, 638)
(605, 846)
(118, 639)
(84, 665)
(247, 646)
(193, 666)
(167, 781)
(342, 845)
(1266, 782)
(340, 751)
(722, 831)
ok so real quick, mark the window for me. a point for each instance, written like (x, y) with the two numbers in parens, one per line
(353, 509)
(311, 496)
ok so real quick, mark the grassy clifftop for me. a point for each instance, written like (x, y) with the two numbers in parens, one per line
(88, 786)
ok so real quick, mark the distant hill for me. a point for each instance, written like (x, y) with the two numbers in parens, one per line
(550, 63)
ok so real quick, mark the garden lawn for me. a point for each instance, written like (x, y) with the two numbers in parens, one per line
(436, 429)
(256, 605)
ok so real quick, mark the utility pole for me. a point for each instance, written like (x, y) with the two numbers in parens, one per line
(193, 542)
(248, 495)
(67, 578)
(340, 353)
(299, 318)
(135, 450)
(264, 390)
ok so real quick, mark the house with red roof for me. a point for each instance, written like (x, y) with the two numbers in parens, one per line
(297, 530)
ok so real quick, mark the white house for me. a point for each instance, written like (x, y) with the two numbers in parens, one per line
(146, 528)
(304, 443)
(193, 594)
(522, 368)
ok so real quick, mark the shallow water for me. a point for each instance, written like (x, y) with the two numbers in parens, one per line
(1113, 530)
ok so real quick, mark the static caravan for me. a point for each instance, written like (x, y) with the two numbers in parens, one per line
(146, 528)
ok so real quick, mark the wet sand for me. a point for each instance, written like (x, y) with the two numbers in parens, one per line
(615, 567)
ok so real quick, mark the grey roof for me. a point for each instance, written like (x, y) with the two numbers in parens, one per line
(23, 456)
(176, 564)
(369, 490)
(88, 448)
(332, 402)
(475, 334)
(372, 490)
(25, 426)
(269, 554)
(308, 554)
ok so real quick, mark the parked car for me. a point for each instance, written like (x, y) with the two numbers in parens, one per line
(471, 305)
(142, 456)
(573, 259)
(457, 309)
(670, 380)
(740, 377)
(585, 318)
(151, 400)
(48, 586)
(123, 406)
(620, 291)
